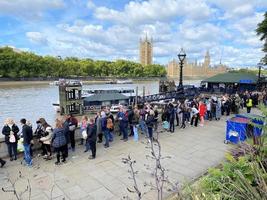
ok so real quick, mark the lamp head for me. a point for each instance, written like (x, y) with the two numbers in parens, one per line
(181, 55)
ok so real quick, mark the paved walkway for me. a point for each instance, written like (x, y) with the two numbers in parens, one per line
(192, 151)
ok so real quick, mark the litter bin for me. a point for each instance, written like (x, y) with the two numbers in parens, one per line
(236, 129)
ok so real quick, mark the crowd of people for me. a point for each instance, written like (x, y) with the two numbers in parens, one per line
(129, 121)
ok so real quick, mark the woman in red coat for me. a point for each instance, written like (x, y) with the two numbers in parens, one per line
(202, 112)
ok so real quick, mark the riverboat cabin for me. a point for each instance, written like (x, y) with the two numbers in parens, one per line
(230, 82)
(106, 99)
(70, 97)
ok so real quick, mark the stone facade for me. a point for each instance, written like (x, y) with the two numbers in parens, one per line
(146, 51)
(195, 69)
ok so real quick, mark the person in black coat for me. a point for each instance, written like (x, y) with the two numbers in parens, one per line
(10, 131)
(91, 137)
(27, 135)
(172, 117)
(130, 120)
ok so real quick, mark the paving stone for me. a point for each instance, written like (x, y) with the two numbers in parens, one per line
(101, 193)
(75, 192)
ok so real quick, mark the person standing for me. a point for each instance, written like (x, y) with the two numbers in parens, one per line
(195, 116)
(59, 141)
(73, 123)
(125, 125)
(172, 117)
(91, 137)
(105, 129)
(10, 131)
(120, 115)
(202, 112)
(150, 123)
(249, 104)
(130, 120)
(46, 138)
(84, 123)
(67, 136)
(27, 135)
(110, 125)
(99, 127)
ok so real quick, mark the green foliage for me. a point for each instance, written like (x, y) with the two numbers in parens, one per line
(239, 178)
(24, 64)
(262, 32)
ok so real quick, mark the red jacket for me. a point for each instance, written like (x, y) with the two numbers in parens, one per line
(202, 109)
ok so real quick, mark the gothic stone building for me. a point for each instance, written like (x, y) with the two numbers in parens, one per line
(195, 69)
(146, 51)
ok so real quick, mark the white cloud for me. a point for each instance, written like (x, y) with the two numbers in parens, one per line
(37, 38)
(28, 9)
(155, 10)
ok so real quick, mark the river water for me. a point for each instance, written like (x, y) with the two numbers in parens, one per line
(35, 101)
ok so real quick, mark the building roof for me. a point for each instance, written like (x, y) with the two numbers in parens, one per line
(233, 77)
(106, 97)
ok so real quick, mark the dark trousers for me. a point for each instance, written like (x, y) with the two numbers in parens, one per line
(12, 149)
(46, 148)
(177, 119)
(131, 130)
(248, 109)
(194, 118)
(93, 147)
(72, 139)
(66, 150)
(100, 137)
(150, 132)
(172, 125)
(125, 132)
(209, 115)
(106, 135)
(61, 150)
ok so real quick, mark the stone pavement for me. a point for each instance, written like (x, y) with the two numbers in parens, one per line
(192, 150)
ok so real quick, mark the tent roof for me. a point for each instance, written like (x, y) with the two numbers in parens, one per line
(233, 77)
(106, 97)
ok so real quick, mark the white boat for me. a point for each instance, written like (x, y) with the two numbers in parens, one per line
(54, 83)
(128, 81)
(115, 108)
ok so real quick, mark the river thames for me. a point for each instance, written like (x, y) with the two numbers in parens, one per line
(35, 101)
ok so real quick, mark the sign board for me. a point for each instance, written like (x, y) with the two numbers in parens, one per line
(245, 81)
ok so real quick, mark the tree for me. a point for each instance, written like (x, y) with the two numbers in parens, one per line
(262, 32)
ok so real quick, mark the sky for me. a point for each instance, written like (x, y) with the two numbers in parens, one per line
(111, 29)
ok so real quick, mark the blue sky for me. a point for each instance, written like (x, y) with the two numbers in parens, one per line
(111, 29)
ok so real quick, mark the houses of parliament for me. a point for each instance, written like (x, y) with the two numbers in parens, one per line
(173, 70)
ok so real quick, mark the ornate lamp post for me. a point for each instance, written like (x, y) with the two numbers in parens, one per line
(181, 57)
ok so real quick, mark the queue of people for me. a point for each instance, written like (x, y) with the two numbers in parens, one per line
(60, 139)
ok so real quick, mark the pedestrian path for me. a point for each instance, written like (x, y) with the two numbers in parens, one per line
(192, 151)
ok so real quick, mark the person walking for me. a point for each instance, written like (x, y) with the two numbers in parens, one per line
(10, 131)
(59, 141)
(110, 125)
(27, 135)
(91, 137)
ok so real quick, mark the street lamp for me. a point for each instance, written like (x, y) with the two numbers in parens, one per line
(181, 57)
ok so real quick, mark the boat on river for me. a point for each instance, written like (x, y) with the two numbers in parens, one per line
(120, 81)
(129, 92)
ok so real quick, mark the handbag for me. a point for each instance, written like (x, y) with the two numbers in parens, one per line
(12, 139)
(84, 134)
(72, 127)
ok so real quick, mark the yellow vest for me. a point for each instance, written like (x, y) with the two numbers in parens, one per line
(249, 103)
